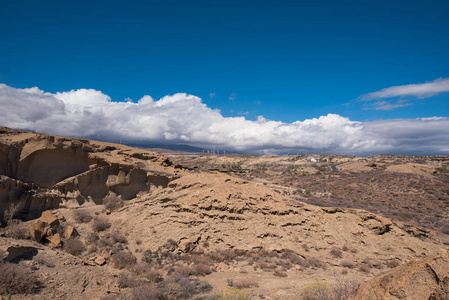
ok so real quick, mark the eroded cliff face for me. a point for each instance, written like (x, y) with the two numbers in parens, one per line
(42, 172)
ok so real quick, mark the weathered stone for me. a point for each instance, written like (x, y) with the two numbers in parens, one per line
(39, 231)
(100, 260)
(423, 279)
(70, 231)
(54, 240)
(49, 218)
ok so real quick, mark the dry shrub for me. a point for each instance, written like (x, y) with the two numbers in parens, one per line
(200, 258)
(316, 263)
(81, 216)
(372, 263)
(344, 288)
(17, 279)
(141, 268)
(303, 263)
(280, 273)
(336, 252)
(266, 266)
(146, 292)
(10, 212)
(155, 276)
(364, 267)
(44, 261)
(242, 283)
(123, 259)
(317, 291)
(183, 271)
(180, 287)
(233, 294)
(117, 237)
(147, 256)
(223, 255)
(74, 246)
(347, 264)
(392, 263)
(291, 256)
(17, 230)
(125, 280)
(92, 238)
(201, 270)
(100, 224)
(112, 202)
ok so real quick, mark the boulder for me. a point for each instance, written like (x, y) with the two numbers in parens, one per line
(70, 231)
(423, 279)
(100, 260)
(54, 240)
(49, 218)
(39, 231)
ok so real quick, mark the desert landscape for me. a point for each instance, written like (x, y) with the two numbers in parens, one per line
(83, 219)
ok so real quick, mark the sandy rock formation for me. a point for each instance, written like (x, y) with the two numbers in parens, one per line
(229, 213)
(44, 230)
(424, 279)
(44, 172)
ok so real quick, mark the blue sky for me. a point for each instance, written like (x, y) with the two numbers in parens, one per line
(284, 60)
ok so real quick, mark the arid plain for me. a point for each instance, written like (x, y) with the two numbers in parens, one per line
(91, 220)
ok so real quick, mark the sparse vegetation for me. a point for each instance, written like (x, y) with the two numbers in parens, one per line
(43, 260)
(100, 224)
(342, 289)
(17, 230)
(233, 294)
(74, 246)
(81, 216)
(392, 263)
(116, 237)
(336, 252)
(113, 202)
(123, 259)
(242, 283)
(17, 279)
(14, 227)
(347, 264)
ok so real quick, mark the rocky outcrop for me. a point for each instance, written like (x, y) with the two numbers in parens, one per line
(424, 279)
(210, 212)
(44, 172)
(44, 230)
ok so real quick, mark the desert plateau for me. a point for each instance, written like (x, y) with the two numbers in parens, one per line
(84, 219)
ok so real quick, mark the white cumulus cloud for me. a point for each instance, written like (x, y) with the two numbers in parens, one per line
(185, 119)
